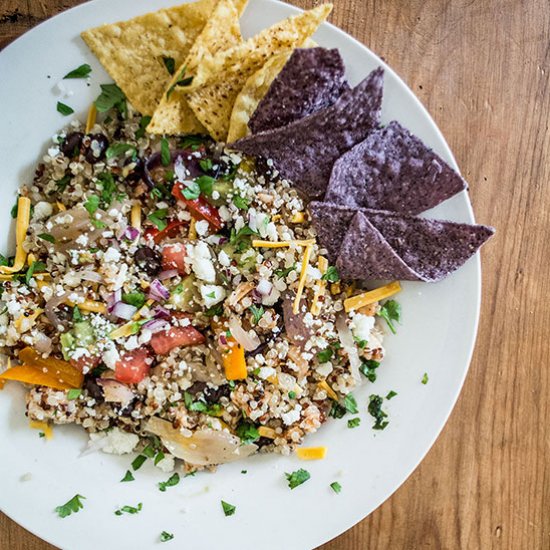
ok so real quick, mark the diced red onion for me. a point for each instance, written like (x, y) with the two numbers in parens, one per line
(349, 346)
(156, 325)
(168, 274)
(223, 340)
(124, 311)
(92, 276)
(161, 312)
(264, 287)
(158, 292)
(248, 340)
(131, 233)
(113, 300)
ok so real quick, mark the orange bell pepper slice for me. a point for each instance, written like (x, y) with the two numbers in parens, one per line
(234, 361)
(60, 370)
(32, 375)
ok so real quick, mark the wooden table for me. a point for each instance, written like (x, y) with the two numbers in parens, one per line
(482, 69)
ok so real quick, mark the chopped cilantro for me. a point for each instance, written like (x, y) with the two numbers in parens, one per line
(214, 311)
(136, 299)
(281, 273)
(206, 165)
(108, 187)
(41, 434)
(15, 208)
(98, 224)
(47, 237)
(368, 368)
(192, 141)
(201, 406)
(191, 190)
(292, 395)
(71, 507)
(74, 394)
(80, 72)
(143, 123)
(165, 536)
(158, 217)
(354, 422)
(244, 471)
(64, 109)
(336, 487)
(337, 410)
(92, 204)
(172, 481)
(240, 202)
(35, 267)
(257, 312)
(129, 476)
(206, 184)
(159, 457)
(61, 184)
(211, 294)
(375, 410)
(118, 149)
(111, 96)
(350, 404)
(129, 510)
(180, 81)
(331, 275)
(247, 432)
(297, 478)
(425, 378)
(138, 462)
(228, 509)
(170, 64)
(361, 344)
(325, 355)
(391, 395)
(149, 451)
(391, 311)
(165, 155)
(239, 239)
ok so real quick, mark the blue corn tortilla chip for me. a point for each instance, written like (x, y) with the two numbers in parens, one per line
(392, 170)
(311, 80)
(331, 222)
(305, 150)
(429, 249)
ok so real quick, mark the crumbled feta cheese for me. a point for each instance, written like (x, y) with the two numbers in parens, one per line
(291, 416)
(361, 326)
(212, 294)
(42, 210)
(202, 227)
(116, 441)
(110, 355)
(201, 263)
(167, 464)
(224, 259)
(111, 255)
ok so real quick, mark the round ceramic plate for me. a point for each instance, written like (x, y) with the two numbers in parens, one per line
(436, 337)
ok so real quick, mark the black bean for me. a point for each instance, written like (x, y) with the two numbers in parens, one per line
(137, 172)
(148, 260)
(93, 388)
(213, 395)
(71, 145)
(197, 387)
(97, 153)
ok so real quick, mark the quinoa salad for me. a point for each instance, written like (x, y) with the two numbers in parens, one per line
(176, 295)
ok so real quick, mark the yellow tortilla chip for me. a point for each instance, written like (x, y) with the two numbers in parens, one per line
(222, 31)
(226, 74)
(254, 90)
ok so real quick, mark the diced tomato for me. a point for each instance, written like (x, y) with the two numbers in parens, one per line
(173, 229)
(133, 367)
(175, 337)
(173, 257)
(86, 363)
(200, 208)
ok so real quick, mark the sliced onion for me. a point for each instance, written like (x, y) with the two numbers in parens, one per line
(116, 392)
(156, 325)
(114, 299)
(349, 346)
(203, 448)
(92, 276)
(248, 340)
(157, 291)
(94, 446)
(168, 274)
(51, 306)
(43, 343)
(124, 311)
(264, 287)
(161, 312)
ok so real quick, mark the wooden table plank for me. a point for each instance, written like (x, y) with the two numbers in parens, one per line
(481, 68)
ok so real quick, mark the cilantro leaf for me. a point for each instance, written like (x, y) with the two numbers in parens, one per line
(35, 267)
(158, 217)
(111, 96)
(375, 410)
(391, 311)
(71, 507)
(165, 155)
(391, 395)
(92, 204)
(47, 237)
(165, 536)
(298, 477)
(247, 432)
(181, 80)
(368, 368)
(191, 190)
(205, 164)
(239, 239)
(61, 185)
(425, 378)
(325, 355)
(228, 509)
(128, 476)
(350, 404)
(80, 72)
(331, 275)
(240, 202)
(336, 487)
(129, 510)
(64, 109)
(108, 187)
(206, 184)
(214, 311)
(138, 462)
(98, 224)
(143, 123)
(74, 394)
(257, 312)
(172, 481)
(118, 149)
(281, 273)
(337, 410)
(136, 299)
(354, 422)
(170, 64)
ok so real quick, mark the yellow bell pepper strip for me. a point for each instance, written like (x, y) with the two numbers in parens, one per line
(311, 453)
(22, 323)
(192, 235)
(322, 264)
(59, 370)
(265, 431)
(123, 331)
(43, 427)
(281, 244)
(90, 305)
(302, 283)
(21, 226)
(366, 298)
(234, 361)
(92, 115)
(32, 375)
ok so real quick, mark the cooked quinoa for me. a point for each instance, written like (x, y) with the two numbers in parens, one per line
(147, 295)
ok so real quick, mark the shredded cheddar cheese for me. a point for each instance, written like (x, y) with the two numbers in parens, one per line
(92, 115)
(90, 305)
(302, 283)
(124, 331)
(141, 312)
(24, 323)
(322, 264)
(372, 296)
(135, 216)
(265, 431)
(22, 224)
(298, 217)
(311, 453)
(281, 244)
(60, 206)
(193, 230)
(323, 385)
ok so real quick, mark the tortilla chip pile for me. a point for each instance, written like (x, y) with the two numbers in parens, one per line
(189, 68)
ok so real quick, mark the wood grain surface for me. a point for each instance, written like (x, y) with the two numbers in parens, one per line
(481, 67)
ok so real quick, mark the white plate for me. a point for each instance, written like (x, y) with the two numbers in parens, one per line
(437, 336)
